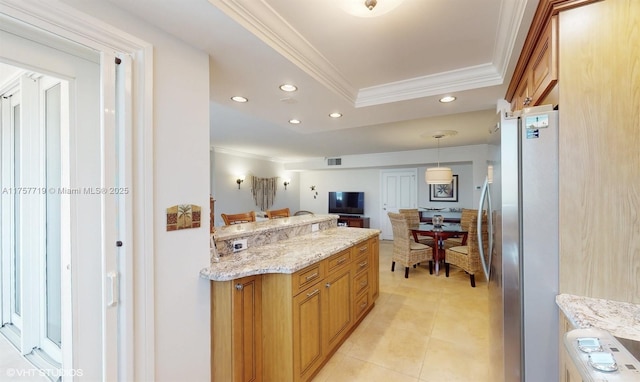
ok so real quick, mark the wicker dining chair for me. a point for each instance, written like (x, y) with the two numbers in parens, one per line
(413, 220)
(405, 250)
(244, 217)
(465, 218)
(467, 257)
(275, 214)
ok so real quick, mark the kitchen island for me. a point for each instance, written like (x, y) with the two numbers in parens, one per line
(282, 307)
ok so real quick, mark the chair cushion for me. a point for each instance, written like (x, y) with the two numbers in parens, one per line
(453, 240)
(464, 250)
(415, 245)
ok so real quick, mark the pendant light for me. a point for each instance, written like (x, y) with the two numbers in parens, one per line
(438, 175)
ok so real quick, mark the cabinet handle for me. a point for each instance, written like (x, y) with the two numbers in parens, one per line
(363, 305)
(312, 276)
(364, 248)
(312, 293)
(342, 260)
(527, 101)
(363, 264)
(363, 283)
(328, 285)
(239, 286)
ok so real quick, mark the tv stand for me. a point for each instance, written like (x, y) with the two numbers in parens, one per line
(353, 221)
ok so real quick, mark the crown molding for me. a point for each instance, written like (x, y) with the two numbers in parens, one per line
(264, 22)
(436, 84)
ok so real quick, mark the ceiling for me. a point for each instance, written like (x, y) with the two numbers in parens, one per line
(384, 70)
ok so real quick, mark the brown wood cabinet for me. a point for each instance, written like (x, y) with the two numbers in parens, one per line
(237, 353)
(308, 314)
(354, 221)
(541, 73)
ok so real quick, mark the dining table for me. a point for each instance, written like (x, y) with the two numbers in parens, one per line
(439, 233)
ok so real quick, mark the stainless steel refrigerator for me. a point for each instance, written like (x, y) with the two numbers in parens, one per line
(520, 195)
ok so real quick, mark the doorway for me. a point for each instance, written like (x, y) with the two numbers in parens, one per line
(399, 190)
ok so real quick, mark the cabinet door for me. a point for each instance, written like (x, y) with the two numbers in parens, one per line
(247, 329)
(357, 223)
(307, 332)
(522, 98)
(544, 63)
(338, 312)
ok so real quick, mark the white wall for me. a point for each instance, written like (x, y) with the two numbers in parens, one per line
(181, 175)
(362, 173)
(230, 200)
(357, 173)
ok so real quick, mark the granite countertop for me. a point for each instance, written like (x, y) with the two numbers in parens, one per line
(263, 226)
(621, 319)
(286, 256)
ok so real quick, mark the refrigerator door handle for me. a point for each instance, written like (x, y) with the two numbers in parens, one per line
(485, 195)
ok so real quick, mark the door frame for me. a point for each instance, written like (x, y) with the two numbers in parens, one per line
(137, 341)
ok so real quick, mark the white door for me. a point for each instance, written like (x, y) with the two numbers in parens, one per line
(87, 151)
(399, 190)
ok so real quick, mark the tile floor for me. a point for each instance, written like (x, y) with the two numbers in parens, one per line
(14, 368)
(425, 328)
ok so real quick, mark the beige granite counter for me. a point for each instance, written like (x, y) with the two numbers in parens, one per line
(286, 256)
(621, 319)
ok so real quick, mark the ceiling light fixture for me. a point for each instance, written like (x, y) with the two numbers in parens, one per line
(438, 175)
(295, 121)
(288, 88)
(370, 4)
(240, 99)
(447, 99)
(335, 115)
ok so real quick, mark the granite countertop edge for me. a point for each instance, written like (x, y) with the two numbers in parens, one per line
(287, 256)
(621, 319)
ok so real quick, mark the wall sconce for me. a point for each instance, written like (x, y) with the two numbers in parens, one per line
(286, 183)
(239, 180)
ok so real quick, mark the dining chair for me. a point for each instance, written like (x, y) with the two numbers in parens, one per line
(465, 217)
(467, 257)
(245, 217)
(275, 214)
(413, 220)
(405, 250)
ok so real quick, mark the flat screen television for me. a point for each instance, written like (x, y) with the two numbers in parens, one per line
(346, 203)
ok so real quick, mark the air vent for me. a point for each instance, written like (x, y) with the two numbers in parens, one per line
(334, 161)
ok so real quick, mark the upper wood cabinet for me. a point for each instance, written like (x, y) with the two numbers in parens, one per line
(541, 73)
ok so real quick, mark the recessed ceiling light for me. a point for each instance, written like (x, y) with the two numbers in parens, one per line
(447, 99)
(335, 115)
(239, 99)
(295, 121)
(288, 88)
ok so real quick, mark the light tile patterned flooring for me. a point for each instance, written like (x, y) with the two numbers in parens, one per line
(425, 328)
(15, 368)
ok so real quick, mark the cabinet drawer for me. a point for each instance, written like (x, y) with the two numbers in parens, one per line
(361, 305)
(338, 260)
(361, 283)
(307, 276)
(361, 249)
(361, 264)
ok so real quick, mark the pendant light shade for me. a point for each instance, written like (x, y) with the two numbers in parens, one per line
(438, 175)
